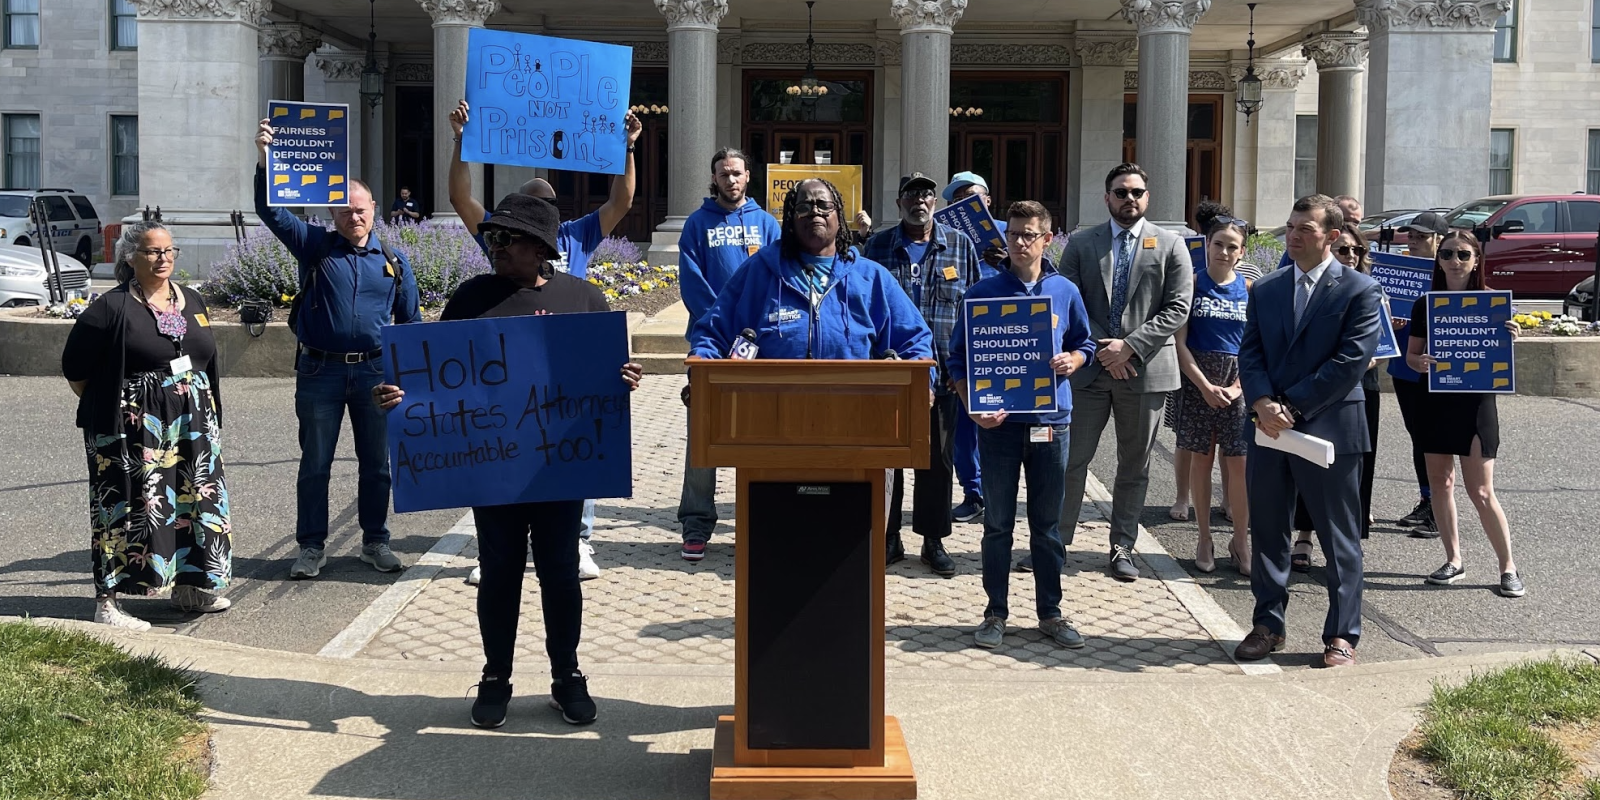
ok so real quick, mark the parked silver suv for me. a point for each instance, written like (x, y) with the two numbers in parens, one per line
(74, 225)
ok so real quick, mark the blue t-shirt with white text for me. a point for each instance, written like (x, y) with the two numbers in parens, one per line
(1217, 315)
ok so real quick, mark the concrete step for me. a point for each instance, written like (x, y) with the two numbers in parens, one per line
(661, 363)
(659, 341)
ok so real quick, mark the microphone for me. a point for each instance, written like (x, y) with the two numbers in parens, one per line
(744, 347)
(889, 355)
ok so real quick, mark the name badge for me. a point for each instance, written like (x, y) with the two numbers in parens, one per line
(949, 273)
(1041, 434)
(181, 364)
(1150, 243)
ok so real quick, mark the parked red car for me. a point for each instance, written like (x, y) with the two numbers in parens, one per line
(1538, 245)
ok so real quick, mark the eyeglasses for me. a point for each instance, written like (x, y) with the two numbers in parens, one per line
(1346, 250)
(1458, 255)
(919, 195)
(501, 238)
(170, 252)
(1123, 194)
(1024, 238)
(818, 207)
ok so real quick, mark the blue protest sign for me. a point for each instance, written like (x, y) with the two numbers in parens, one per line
(1388, 344)
(1404, 279)
(1197, 251)
(1468, 339)
(509, 410)
(972, 217)
(308, 163)
(1010, 341)
(538, 101)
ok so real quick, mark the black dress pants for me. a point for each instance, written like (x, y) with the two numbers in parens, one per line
(504, 536)
(930, 496)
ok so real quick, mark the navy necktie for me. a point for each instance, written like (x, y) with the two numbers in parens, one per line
(1119, 281)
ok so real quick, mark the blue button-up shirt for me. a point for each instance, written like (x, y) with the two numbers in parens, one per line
(355, 292)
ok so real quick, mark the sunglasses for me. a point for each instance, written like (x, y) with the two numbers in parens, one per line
(1123, 194)
(1235, 221)
(1346, 250)
(501, 238)
(1457, 255)
(819, 208)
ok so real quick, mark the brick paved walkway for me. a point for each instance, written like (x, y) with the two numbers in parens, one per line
(651, 606)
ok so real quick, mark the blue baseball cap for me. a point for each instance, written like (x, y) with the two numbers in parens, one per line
(961, 181)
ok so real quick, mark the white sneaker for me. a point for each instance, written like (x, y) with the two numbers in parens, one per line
(475, 577)
(107, 612)
(196, 599)
(587, 569)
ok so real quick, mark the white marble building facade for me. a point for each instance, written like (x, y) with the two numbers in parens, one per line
(1404, 94)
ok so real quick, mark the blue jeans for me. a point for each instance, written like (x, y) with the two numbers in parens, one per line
(323, 391)
(697, 505)
(968, 472)
(1005, 453)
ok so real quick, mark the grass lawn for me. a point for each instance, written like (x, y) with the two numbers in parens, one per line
(81, 719)
(1509, 734)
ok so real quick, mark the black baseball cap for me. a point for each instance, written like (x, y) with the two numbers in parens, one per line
(1427, 222)
(529, 216)
(915, 181)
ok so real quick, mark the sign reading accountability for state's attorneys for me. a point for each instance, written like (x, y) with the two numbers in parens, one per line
(308, 163)
(509, 410)
(1471, 346)
(539, 101)
(1010, 341)
(972, 217)
(1403, 278)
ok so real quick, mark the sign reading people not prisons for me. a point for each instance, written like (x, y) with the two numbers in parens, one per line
(971, 216)
(308, 163)
(845, 177)
(1469, 341)
(509, 410)
(1010, 341)
(1403, 278)
(539, 101)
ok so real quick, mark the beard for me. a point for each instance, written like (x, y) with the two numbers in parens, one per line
(730, 198)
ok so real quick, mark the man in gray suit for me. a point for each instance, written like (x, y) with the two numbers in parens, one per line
(1137, 282)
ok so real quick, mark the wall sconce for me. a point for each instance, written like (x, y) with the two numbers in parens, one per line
(966, 112)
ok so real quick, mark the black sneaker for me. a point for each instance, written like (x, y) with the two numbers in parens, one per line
(1511, 585)
(1426, 529)
(894, 552)
(1447, 574)
(570, 696)
(970, 510)
(494, 696)
(1424, 510)
(937, 559)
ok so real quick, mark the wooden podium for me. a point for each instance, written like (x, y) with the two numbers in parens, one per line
(812, 441)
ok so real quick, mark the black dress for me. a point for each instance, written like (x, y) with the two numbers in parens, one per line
(1451, 420)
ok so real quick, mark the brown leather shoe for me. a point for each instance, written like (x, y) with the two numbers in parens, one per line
(1338, 653)
(1258, 644)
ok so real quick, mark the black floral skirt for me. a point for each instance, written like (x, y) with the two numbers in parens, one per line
(1199, 425)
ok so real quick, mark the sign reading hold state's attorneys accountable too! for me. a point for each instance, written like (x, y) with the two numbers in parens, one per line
(972, 217)
(1010, 341)
(509, 410)
(1469, 341)
(308, 163)
(539, 101)
(1403, 278)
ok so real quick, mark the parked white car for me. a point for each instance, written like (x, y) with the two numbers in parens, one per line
(22, 276)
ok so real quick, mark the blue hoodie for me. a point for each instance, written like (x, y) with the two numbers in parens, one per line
(1071, 331)
(863, 313)
(715, 241)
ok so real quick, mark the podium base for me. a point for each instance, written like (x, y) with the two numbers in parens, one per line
(895, 780)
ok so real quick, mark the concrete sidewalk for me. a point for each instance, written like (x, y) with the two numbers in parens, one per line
(289, 726)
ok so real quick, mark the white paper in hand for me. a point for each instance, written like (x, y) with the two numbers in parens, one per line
(1310, 448)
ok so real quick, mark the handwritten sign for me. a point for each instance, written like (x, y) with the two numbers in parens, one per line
(1197, 251)
(1403, 278)
(308, 163)
(1468, 339)
(538, 101)
(1010, 342)
(509, 410)
(972, 217)
(845, 177)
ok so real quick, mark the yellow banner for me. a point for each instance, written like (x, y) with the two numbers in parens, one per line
(783, 177)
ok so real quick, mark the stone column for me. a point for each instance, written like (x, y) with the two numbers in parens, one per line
(199, 71)
(284, 47)
(1428, 100)
(342, 75)
(1098, 140)
(692, 96)
(452, 21)
(1339, 58)
(1164, 29)
(1264, 158)
(925, 28)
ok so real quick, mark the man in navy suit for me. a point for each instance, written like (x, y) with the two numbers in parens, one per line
(1309, 334)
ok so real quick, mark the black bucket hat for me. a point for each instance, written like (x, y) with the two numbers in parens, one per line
(529, 216)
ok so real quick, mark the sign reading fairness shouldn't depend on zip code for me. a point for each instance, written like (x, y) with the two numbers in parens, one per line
(1010, 341)
(539, 101)
(1469, 342)
(308, 163)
